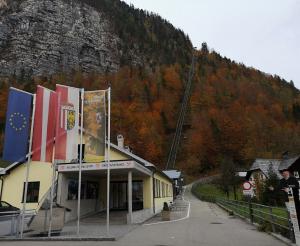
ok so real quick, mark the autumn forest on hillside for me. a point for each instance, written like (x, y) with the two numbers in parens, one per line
(234, 112)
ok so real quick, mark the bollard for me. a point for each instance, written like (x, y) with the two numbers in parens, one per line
(251, 213)
(291, 228)
(12, 225)
(272, 220)
(18, 225)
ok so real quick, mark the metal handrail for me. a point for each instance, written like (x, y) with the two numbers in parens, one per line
(255, 213)
(19, 211)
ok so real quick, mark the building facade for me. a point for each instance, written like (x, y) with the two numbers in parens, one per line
(137, 187)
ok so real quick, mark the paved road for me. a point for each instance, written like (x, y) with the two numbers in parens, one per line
(207, 225)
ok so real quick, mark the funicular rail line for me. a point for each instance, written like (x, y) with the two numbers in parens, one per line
(182, 114)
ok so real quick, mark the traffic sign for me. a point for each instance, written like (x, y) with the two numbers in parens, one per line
(247, 185)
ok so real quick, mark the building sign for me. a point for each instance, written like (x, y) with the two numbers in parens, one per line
(96, 166)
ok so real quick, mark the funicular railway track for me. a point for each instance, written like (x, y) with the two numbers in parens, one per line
(171, 162)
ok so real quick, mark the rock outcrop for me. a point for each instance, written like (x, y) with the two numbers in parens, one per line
(42, 37)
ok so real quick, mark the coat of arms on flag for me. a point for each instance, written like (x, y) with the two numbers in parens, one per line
(67, 117)
(66, 144)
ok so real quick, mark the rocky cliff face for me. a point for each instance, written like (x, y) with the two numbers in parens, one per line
(42, 37)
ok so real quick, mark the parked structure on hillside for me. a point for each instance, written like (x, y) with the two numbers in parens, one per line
(291, 164)
(261, 169)
(177, 178)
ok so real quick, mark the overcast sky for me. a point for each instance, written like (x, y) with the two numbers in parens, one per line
(264, 34)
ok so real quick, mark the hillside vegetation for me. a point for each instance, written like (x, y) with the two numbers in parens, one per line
(235, 111)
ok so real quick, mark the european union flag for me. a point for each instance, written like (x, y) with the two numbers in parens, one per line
(17, 129)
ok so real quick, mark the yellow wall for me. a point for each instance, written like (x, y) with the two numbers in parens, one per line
(117, 155)
(148, 192)
(159, 201)
(13, 183)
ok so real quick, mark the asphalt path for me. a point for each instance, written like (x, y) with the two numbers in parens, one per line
(204, 225)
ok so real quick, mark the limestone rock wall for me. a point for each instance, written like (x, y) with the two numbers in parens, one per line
(42, 37)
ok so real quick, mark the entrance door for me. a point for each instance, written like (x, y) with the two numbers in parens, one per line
(118, 197)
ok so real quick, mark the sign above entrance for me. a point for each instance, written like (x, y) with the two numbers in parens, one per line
(97, 166)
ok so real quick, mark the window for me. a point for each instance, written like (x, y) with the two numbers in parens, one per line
(157, 188)
(92, 190)
(73, 190)
(163, 189)
(167, 190)
(32, 192)
(137, 195)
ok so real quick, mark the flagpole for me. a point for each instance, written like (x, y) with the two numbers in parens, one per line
(51, 197)
(28, 167)
(80, 163)
(108, 164)
(54, 168)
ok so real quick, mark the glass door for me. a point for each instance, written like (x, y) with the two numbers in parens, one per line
(118, 197)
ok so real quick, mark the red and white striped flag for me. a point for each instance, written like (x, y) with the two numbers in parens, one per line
(67, 134)
(44, 125)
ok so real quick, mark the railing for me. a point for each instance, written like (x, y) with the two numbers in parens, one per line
(271, 219)
(10, 222)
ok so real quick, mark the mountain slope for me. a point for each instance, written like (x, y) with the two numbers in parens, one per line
(235, 111)
(51, 36)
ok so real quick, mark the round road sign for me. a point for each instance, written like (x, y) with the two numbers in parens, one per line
(247, 185)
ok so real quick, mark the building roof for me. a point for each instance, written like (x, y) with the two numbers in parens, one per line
(264, 166)
(287, 163)
(140, 160)
(173, 174)
(135, 157)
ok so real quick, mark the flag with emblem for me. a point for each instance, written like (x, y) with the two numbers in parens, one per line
(17, 129)
(44, 125)
(67, 134)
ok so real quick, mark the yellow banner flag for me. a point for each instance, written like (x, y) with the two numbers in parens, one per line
(94, 122)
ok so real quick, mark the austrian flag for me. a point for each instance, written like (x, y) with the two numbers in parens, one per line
(44, 125)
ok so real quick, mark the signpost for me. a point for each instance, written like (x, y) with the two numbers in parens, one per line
(293, 216)
(247, 189)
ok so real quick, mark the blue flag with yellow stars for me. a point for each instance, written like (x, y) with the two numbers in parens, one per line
(17, 129)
